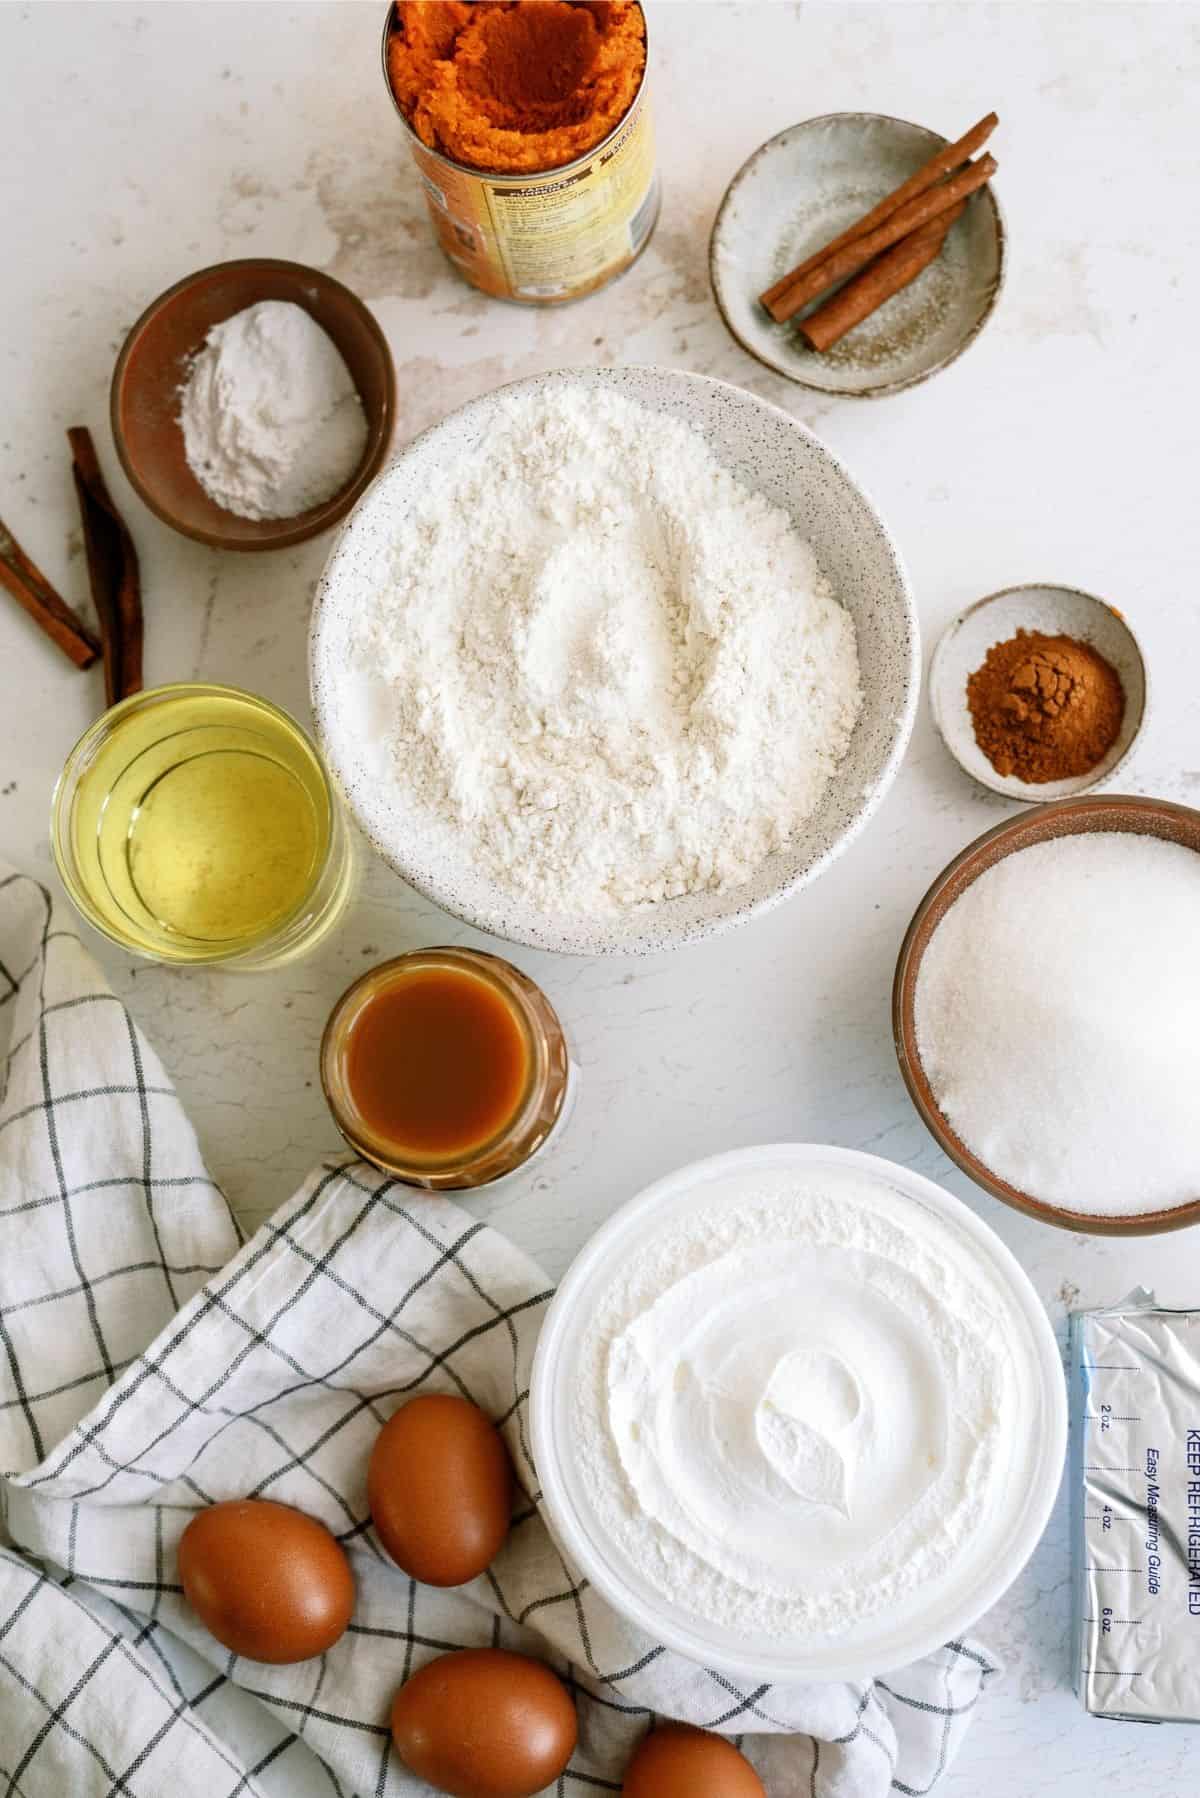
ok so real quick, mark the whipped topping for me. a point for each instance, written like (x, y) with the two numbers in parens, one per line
(793, 1405)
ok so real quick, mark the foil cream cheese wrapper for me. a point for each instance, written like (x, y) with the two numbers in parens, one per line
(1135, 1372)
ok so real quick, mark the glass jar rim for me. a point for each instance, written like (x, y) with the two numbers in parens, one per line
(77, 762)
(483, 1162)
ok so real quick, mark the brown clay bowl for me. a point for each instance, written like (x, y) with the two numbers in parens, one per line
(153, 365)
(1066, 817)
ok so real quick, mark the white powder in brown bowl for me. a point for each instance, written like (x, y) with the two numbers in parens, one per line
(272, 422)
(1057, 1012)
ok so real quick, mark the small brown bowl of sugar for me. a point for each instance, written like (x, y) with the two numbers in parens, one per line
(1044, 1013)
(252, 403)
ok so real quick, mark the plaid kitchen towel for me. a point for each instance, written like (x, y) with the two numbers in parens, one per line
(152, 1364)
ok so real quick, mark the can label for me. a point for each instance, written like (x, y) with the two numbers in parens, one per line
(549, 237)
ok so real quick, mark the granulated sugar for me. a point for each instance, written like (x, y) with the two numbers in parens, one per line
(614, 670)
(1056, 1016)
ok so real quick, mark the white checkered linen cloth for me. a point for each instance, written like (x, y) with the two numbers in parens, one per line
(151, 1365)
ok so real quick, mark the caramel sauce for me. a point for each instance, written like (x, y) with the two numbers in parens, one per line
(437, 1063)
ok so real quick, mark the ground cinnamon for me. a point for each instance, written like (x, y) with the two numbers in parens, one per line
(515, 86)
(1045, 708)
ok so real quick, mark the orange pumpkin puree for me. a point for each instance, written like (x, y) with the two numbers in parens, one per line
(515, 86)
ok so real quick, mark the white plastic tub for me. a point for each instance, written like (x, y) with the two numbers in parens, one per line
(1008, 1530)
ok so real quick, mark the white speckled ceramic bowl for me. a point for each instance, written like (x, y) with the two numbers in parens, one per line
(767, 450)
(1056, 612)
(800, 190)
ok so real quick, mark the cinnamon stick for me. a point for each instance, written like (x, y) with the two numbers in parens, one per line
(880, 281)
(942, 162)
(30, 588)
(112, 570)
(908, 218)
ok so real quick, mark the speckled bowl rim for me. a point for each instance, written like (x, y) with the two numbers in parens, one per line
(883, 388)
(1029, 793)
(592, 938)
(319, 518)
(1021, 832)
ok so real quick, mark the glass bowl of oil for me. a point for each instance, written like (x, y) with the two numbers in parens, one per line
(196, 824)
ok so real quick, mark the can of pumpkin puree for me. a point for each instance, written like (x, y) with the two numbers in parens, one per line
(549, 237)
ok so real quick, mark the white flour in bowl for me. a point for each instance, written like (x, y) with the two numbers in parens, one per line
(618, 672)
(792, 1409)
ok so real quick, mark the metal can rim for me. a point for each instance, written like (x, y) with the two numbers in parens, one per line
(507, 175)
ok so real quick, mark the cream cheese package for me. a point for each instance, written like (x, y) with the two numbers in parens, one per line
(1135, 1372)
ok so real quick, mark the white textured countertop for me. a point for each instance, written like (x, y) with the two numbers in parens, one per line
(146, 140)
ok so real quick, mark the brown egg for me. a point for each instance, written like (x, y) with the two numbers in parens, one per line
(482, 1723)
(266, 1580)
(677, 1761)
(440, 1489)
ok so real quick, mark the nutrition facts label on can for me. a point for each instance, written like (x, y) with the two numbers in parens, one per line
(558, 234)
(1135, 1374)
(554, 236)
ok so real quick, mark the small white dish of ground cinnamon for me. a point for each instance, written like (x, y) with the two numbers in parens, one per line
(1039, 692)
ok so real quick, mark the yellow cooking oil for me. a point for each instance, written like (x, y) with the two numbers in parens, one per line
(199, 824)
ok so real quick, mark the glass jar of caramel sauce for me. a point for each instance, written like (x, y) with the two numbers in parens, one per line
(445, 1067)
